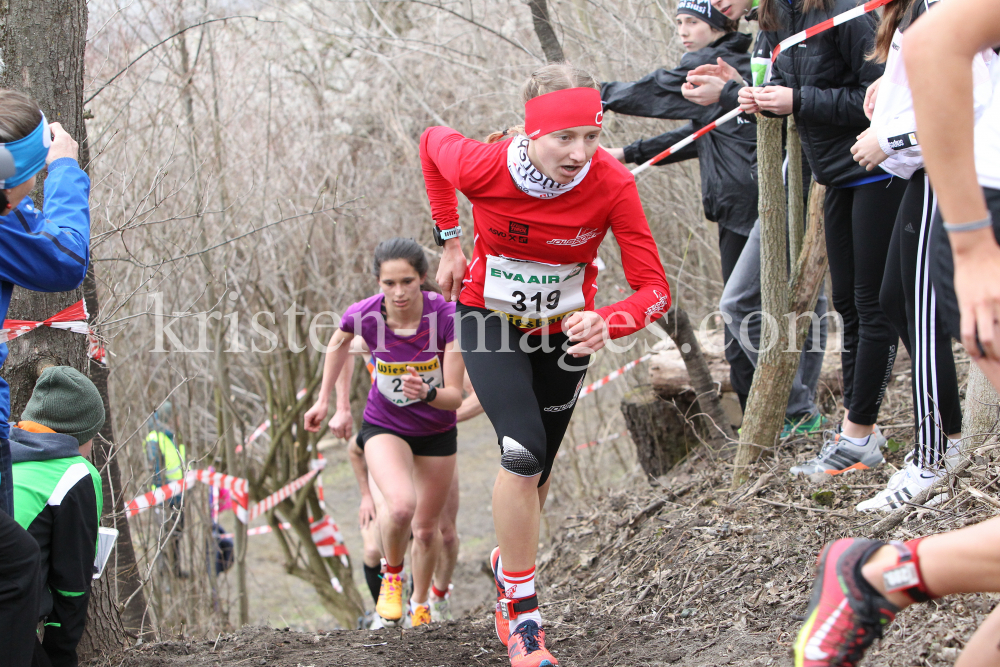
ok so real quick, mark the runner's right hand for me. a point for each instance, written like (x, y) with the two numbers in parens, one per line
(366, 511)
(342, 424)
(315, 416)
(451, 270)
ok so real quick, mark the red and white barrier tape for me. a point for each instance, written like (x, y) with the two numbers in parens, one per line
(822, 26)
(614, 375)
(798, 37)
(157, 496)
(259, 431)
(594, 443)
(74, 318)
(687, 140)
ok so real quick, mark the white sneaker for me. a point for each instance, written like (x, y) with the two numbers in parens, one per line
(377, 622)
(953, 455)
(440, 609)
(839, 455)
(904, 484)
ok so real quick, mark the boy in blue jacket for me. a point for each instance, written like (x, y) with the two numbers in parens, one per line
(43, 252)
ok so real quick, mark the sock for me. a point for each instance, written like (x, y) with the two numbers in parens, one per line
(414, 605)
(439, 594)
(517, 586)
(860, 442)
(374, 579)
(393, 569)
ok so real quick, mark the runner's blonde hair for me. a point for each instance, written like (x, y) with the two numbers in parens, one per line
(547, 79)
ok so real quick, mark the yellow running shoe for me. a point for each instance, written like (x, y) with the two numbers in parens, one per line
(390, 597)
(421, 615)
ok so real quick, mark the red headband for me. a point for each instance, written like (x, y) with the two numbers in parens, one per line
(570, 107)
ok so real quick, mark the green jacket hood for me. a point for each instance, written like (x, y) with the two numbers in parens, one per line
(27, 446)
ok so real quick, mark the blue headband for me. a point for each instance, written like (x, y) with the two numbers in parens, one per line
(22, 159)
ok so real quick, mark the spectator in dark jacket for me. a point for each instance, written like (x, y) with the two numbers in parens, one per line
(822, 81)
(46, 253)
(728, 165)
(58, 500)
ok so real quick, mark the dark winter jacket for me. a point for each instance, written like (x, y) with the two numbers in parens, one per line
(727, 155)
(828, 74)
(58, 500)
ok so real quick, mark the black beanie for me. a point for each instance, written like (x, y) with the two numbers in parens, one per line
(702, 9)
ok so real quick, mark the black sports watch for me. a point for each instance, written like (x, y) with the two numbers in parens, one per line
(441, 236)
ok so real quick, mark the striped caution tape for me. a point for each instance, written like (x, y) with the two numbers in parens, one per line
(260, 430)
(614, 375)
(762, 68)
(73, 318)
(594, 443)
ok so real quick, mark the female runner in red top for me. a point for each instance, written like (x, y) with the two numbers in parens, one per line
(543, 200)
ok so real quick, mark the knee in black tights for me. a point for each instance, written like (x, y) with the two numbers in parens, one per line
(516, 459)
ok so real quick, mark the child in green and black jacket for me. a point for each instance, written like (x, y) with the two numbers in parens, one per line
(58, 499)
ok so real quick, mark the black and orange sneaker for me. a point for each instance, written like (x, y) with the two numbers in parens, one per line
(526, 647)
(501, 624)
(846, 614)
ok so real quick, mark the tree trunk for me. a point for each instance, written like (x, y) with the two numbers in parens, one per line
(546, 34)
(661, 429)
(678, 326)
(783, 299)
(42, 49)
(982, 410)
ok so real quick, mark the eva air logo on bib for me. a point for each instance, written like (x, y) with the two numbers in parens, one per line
(389, 377)
(533, 294)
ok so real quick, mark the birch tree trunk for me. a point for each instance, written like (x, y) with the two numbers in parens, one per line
(784, 295)
(982, 410)
(42, 50)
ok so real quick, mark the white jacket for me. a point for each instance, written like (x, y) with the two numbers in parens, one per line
(893, 119)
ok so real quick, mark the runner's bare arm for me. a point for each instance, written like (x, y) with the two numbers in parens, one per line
(336, 355)
(448, 397)
(366, 511)
(342, 423)
(938, 50)
(471, 406)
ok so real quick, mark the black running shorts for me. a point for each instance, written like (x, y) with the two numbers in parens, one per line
(436, 444)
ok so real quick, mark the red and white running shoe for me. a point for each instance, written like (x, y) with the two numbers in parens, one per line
(846, 614)
(526, 647)
(501, 624)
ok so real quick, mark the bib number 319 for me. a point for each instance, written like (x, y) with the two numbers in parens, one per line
(532, 293)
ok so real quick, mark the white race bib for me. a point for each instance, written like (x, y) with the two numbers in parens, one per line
(389, 377)
(533, 294)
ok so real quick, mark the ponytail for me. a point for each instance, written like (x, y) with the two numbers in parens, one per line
(893, 15)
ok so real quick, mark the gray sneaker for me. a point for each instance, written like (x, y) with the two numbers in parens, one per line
(840, 455)
(441, 611)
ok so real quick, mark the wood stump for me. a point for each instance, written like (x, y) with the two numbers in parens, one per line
(660, 428)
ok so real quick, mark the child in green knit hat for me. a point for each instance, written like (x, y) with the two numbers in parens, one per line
(58, 499)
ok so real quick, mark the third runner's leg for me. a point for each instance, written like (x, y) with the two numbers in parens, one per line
(447, 555)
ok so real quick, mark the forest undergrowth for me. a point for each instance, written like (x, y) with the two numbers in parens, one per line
(678, 570)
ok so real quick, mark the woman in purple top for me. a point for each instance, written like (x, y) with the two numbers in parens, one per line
(408, 430)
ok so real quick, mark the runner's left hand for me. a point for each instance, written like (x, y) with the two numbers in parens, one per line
(414, 386)
(587, 330)
(867, 152)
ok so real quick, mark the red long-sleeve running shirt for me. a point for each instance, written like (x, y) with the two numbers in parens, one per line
(564, 230)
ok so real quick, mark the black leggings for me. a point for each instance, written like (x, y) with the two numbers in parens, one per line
(526, 384)
(741, 369)
(859, 223)
(910, 302)
(19, 592)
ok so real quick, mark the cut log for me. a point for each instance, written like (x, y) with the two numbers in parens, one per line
(661, 429)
